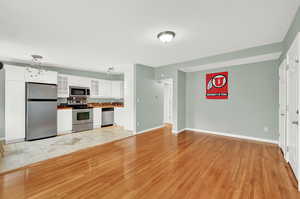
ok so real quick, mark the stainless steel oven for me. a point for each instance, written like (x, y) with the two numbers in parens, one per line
(76, 91)
(82, 119)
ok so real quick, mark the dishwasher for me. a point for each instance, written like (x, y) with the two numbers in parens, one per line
(107, 117)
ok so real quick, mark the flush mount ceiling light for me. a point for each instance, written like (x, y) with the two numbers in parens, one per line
(166, 36)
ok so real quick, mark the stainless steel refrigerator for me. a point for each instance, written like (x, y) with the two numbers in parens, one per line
(41, 111)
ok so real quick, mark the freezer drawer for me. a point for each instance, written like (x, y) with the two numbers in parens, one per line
(41, 91)
(41, 119)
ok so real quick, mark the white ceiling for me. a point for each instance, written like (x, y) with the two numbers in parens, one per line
(94, 34)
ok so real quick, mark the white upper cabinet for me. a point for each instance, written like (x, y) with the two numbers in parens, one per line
(107, 88)
(79, 81)
(104, 88)
(43, 76)
(99, 88)
(63, 86)
(117, 89)
(50, 77)
(94, 88)
(122, 89)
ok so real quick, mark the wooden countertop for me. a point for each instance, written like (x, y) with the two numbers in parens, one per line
(63, 107)
(106, 106)
(95, 105)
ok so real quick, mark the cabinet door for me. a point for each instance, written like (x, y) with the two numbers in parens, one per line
(33, 75)
(14, 110)
(97, 117)
(121, 89)
(94, 88)
(64, 121)
(120, 117)
(115, 88)
(107, 89)
(63, 86)
(49, 77)
(79, 81)
(101, 88)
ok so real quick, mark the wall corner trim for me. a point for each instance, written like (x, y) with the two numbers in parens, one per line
(151, 129)
(180, 131)
(233, 135)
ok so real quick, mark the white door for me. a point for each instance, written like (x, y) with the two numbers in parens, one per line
(293, 102)
(282, 108)
(168, 101)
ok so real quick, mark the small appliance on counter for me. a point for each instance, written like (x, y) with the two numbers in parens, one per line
(107, 117)
(41, 111)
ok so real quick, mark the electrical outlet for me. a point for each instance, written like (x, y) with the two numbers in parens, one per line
(266, 129)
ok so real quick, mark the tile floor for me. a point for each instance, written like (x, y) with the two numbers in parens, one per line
(25, 153)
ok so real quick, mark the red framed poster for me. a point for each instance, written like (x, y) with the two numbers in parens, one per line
(217, 85)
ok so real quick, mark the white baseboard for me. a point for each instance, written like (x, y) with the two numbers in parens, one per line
(151, 129)
(14, 141)
(180, 131)
(233, 135)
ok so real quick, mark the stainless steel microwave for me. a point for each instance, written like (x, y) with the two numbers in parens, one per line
(76, 91)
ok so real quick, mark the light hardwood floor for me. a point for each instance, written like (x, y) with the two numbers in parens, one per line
(159, 165)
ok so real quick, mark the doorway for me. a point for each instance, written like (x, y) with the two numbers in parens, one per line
(168, 101)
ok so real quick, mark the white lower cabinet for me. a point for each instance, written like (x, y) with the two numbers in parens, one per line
(14, 111)
(120, 117)
(97, 117)
(64, 121)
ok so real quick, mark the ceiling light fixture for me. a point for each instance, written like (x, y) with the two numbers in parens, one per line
(166, 36)
(37, 64)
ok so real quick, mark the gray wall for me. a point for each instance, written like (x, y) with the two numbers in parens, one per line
(149, 99)
(181, 121)
(252, 103)
(2, 103)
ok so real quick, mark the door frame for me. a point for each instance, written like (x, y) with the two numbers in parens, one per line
(295, 44)
(283, 142)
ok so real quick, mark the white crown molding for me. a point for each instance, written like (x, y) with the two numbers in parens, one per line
(234, 62)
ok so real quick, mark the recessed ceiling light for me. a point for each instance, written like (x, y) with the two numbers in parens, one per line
(166, 36)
